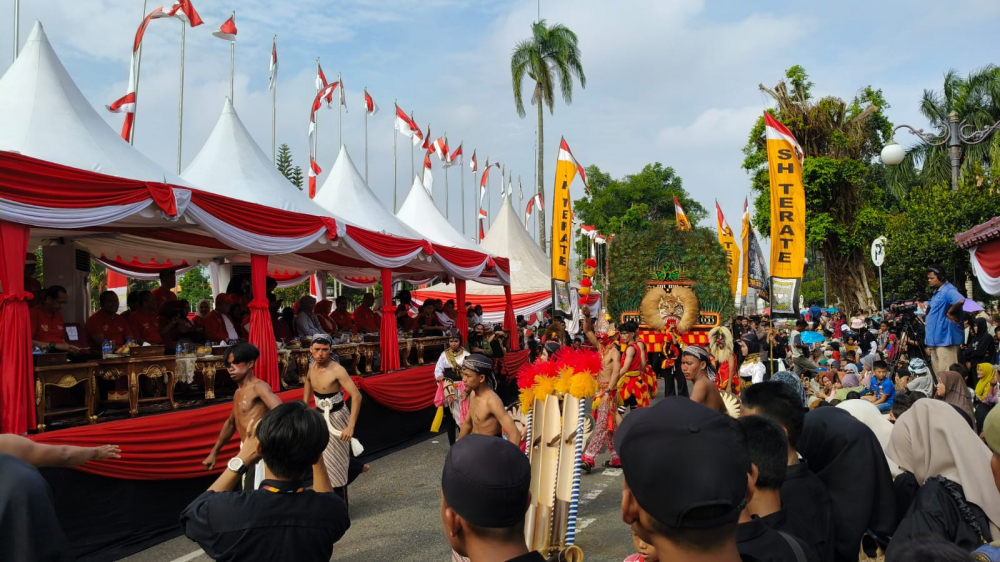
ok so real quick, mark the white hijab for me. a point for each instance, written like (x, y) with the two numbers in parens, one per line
(868, 414)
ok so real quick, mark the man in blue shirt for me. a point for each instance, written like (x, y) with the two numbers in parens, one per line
(881, 391)
(944, 331)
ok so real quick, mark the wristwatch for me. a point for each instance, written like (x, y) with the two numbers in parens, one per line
(236, 465)
(52, 346)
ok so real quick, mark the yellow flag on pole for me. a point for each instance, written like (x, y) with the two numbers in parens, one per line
(683, 223)
(562, 211)
(788, 217)
(728, 242)
(745, 243)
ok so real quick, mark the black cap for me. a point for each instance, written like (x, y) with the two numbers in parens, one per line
(485, 481)
(478, 364)
(680, 464)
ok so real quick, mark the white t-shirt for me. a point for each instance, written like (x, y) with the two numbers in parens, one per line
(795, 341)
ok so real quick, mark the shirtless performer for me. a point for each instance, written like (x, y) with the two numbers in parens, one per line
(606, 400)
(325, 382)
(252, 400)
(487, 415)
(695, 363)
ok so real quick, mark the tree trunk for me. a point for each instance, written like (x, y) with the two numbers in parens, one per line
(847, 279)
(541, 180)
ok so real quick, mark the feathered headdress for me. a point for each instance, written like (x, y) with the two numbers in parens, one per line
(569, 371)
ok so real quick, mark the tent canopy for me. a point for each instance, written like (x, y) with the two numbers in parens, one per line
(420, 213)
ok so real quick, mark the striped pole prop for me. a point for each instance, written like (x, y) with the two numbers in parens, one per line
(527, 439)
(575, 497)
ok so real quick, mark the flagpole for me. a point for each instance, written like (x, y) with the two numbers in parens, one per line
(366, 142)
(17, 20)
(274, 103)
(138, 66)
(395, 189)
(461, 176)
(446, 202)
(316, 121)
(340, 117)
(412, 173)
(232, 64)
(479, 208)
(180, 103)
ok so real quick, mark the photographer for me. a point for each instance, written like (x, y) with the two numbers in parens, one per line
(943, 320)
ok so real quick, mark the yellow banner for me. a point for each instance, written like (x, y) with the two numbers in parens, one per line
(562, 214)
(745, 242)
(788, 202)
(728, 242)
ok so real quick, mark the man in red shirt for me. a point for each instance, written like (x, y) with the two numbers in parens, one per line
(145, 325)
(341, 316)
(218, 326)
(366, 319)
(47, 329)
(107, 324)
(163, 293)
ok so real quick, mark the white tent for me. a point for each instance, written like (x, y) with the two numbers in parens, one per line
(419, 213)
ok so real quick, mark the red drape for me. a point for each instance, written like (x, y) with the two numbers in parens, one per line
(388, 337)
(17, 407)
(490, 303)
(261, 329)
(509, 323)
(386, 245)
(513, 361)
(172, 446)
(462, 322)
(277, 224)
(988, 255)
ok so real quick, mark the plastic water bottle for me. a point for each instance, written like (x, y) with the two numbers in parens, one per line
(106, 349)
(180, 349)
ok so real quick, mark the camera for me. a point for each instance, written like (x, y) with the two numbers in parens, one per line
(907, 307)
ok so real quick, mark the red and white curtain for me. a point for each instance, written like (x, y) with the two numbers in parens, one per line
(986, 265)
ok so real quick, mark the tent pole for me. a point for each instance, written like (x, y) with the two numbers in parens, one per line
(180, 103)
(138, 66)
(395, 189)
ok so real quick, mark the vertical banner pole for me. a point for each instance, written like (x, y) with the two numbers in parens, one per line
(180, 103)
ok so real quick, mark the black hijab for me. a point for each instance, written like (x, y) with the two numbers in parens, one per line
(752, 341)
(847, 457)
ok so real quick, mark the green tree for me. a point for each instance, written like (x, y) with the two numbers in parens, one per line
(637, 255)
(550, 54)
(636, 201)
(924, 233)
(284, 164)
(98, 283)
(976, 100)
(194, 286)
(296, 177)
(846, 203)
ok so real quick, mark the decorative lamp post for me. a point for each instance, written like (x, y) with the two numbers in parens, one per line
(955, 134)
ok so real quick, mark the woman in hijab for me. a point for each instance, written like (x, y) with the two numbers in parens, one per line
(322, 311)
(868, 367)
(751, 369)
(980, 348)
(957, 500)
(986, 393)
(846, 455)
(952, 389)
(204, 307)
(866, 413)
(922, 380)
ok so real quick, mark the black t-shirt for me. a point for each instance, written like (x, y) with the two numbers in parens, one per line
(756, 539)
(532, 556)
(806, 505)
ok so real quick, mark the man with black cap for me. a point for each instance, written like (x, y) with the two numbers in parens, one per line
(683, 489)
(484, 496)
(487, 415)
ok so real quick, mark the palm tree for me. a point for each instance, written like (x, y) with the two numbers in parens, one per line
(976, 100)
(551, 53)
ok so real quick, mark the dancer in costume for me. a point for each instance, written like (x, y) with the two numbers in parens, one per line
(634, 385)
(252, 400)
(605, 402)
(486, 415)
(326, 382)
(724, 360)
(451, 390)
(697, 365)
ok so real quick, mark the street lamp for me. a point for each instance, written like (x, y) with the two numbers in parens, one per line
(955, 134)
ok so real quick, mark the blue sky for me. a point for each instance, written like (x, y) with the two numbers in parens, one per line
(674, 82)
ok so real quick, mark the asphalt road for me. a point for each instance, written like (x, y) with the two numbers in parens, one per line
(395, 514)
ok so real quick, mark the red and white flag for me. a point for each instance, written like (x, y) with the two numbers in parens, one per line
(322, 84)
(588, 230)
(539, 202)
(565, 154)
(440, 148)
(473, 164)
(182, 10)
(273, 82)
(510, 184)
(776, 131)
(428, 177)
(126, 104)
(520, 189)
(318, 103)
(527, 211)
(370, 106)
(427, 139)
(343, 98)
(484, 182)
(227, 30)
(482, 221)
(408, 127)
(314, 170)
(683, 223)
(454, 157)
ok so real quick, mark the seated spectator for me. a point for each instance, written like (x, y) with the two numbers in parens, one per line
(683, 517)
(175, 325)
(145, 326)
(164, 293)
(282, 331)
(480, 341)
(921, 380)
(306, 321)
(952, 389)
(219, 327)
(427, 321)
(341, 316)
(881, 391)
(107, 324)
(281, 520)
(404, 321)
(204, 307)
(484, 496)
(322, 310)
(29, 528)
(366, 319)
(47, 329)
(448, 314)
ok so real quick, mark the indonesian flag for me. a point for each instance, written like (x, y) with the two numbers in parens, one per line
(565, 154)
(484, 182)
(370, 106)
(682, 219)
(539, 201)
(322, 84)
(510, 184)
(318, 103)
(427, 139)
(314, 170)
(273, 82)
(588, 230)
(482, 220)
(343, 98)
(601, 239)
(428, 177)
(527, 211)
(406, 125)
(454, 156)
(777, 131)
(472, 163)
(520, 189)
(227, 30)
(182, 10)
(126, 104)
(439, 147)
